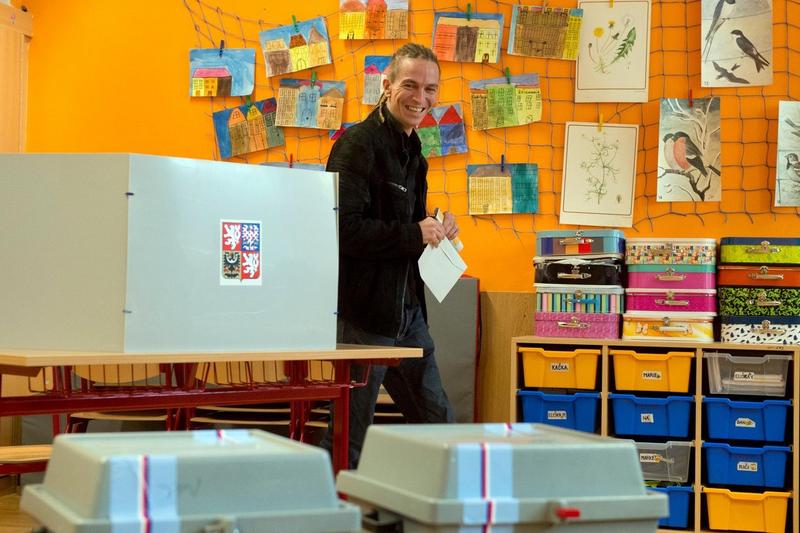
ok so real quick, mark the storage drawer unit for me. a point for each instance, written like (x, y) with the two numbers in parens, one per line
(577, 325)
(746, 511)
(664, 372)
(665, 461)
(651, 325)
(760, 250)
(573, 411)
(750, 375)
(759, 421)
(758, 276)
(760, 329)
(569, 369)
(759, 301)
(671, 276)
(671, 301)
(679, 505)
(579, 271)
(657, 417)
(581, 242)
(738, 465)
(670, 251)
(554, 298)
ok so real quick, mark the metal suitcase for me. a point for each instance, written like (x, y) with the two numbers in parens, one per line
(676, 277)
(670, 251)
(601, 270)
(580, 242)
(759, 301)
(758, 276)
(579, 299)
(760, 250)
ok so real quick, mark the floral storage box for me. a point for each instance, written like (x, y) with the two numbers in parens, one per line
(577, 325)
(670, 251)
(759, 301)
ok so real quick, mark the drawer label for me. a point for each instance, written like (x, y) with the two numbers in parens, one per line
(559, 367)
(653, 375)
(746, 466)
(745, 423)
(648, 418)
(556, 415)
(650, 458)
(744, 376)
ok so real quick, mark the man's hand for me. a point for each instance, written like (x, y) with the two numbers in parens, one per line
(450, 225)
(432, 231)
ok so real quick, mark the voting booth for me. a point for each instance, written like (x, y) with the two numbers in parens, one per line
(136, 253)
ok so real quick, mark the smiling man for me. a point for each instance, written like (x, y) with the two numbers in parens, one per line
(383, 228)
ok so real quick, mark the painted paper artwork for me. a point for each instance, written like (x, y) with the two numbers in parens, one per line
(505, 102)
(247, 128)
(507, 188)
(296, 47)
(306, 105)
(373, 19)
(221, 72)
(787, 174)
(374, 74)
(613, 62)
(442, 131)
(737, 43)
(538, 31)
(689, 151)
(473, 39)
(599, 174)
(240, 252)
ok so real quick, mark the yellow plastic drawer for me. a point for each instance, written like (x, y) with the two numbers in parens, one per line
(746, 511)
(569, 369)
(664, 372)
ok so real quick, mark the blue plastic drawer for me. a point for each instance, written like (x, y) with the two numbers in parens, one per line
(657, 417)
(738, 465)
(762, 421)
(573, 411)
(679, 503)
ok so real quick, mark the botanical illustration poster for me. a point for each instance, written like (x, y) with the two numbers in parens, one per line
(504, 102)
(506, 188)
(787, 175)
(240, 252)
(221, 71)
(307, 104)
(613, 62)
(374, 74)
(599, 174)
(538, 31)
(473, 38)
(247, 128)
(689, 151)
(296, 46)
(442, 131)
(373, 19)
(736, 43)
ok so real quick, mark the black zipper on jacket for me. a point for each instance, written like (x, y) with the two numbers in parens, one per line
(398, 186)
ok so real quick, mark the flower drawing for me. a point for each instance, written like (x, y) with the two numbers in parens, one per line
(599, 167)
(611, 45)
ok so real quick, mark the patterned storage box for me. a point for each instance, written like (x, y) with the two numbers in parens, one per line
(603, 270)
(670, 251)
(671, 276)
(760, 329)
(577, 325)
(759, 250)
(759, 301)
(644, 325)
(693, 300)
(581, 242)
(759, 276)
(555, 298)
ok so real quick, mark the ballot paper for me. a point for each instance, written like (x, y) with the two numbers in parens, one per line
(440, 268)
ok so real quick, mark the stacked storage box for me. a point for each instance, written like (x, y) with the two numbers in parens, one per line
(671, 291)
(746, 474)
(759, 290)
(578, 281)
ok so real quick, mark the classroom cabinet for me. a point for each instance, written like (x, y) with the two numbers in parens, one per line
(717, 422)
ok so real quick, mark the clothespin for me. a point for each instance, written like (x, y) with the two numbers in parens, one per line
(469, 11)
(313, 78)
(221, 47)
(502, 163)
(691, 99)
(294, 23)
(600, 123)
(291, 160)
(508, 75)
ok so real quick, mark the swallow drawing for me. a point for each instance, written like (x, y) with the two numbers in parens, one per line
(687, 155)
(793, 166)
(795, 127)
(750, 50)
(722, 72)
(722, 12)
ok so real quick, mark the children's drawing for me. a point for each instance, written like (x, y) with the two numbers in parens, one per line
(221, 71)
(335, 134)
(374, 74)
(787, 174)
(507, 188)
(442, 131)
(296, 47)
(737, 43)
(473, 38)
(599, 174)
(689, 151)
(504, 102)
(304, 104)
(247, 128)
(373, 19)
(545, 31)
(613, 63)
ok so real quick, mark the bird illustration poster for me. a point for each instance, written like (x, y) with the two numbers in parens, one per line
(613, 62)
(296, 47)
(373, 19)
(247, 128)
(506, 188)
(467, 37)
(787, 175)
(310, 104)
(374, 74)
(737, 43)
(441, 131)
(538, 31)
(689, 151)
(221, 71)
(599, 174)
(505, 102)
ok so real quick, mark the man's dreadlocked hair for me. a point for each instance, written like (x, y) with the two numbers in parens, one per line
(409, 51)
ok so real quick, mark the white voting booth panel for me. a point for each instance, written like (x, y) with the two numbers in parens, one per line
(127, 253)
(172, 482)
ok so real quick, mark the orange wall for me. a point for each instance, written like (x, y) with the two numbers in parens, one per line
(113, 77)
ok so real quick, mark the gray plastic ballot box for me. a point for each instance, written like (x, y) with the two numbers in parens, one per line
(136, 253)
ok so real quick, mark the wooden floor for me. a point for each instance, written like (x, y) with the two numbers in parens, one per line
(12, 520)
